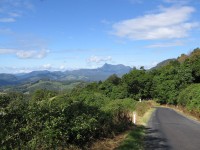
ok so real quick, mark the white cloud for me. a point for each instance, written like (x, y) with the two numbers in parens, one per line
(51, 67)
(7, 51)
(25, 54)
(62, 67)
(97, 59)
(6, 4)
(14, 14)
(47, 66)
(23, 71)
(31, 54)
(4, 20)
(14, 69)
(10, 10)
(41, 54)
(160, 45)
(154, 63)
(169, 23)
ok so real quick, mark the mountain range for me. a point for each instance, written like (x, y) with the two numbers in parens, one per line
(82, 75)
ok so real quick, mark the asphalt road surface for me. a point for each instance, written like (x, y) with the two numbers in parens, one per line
(168, 130)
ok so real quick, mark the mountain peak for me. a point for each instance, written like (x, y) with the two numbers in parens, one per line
(106, 65)
(110, 65)
(115, 68)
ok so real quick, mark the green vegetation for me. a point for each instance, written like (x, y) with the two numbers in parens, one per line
(190, 98)
(134, 140)
(177, 82)
(42, 84)
(48, 119)
(53, 85)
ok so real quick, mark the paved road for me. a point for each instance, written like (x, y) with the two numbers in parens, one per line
(168, 130)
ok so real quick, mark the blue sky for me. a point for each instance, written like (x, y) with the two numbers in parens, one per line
(72, 34)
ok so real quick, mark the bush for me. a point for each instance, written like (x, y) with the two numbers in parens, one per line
(47, 122)
(190, 98)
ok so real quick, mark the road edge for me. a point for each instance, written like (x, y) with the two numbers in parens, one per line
(185, 115)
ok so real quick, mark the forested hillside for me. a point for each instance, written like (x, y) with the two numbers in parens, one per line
(57, 86)
(48, 119)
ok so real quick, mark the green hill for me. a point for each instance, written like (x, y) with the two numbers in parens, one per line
(42, 84)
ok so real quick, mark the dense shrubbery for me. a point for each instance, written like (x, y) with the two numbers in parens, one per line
(48, 120)
(190, 98)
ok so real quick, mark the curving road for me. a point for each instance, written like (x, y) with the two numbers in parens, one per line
(168, 130)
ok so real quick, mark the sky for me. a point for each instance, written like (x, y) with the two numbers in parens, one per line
(59, 35)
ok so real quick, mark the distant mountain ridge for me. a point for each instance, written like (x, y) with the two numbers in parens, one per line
(163, 63)
(82, 74)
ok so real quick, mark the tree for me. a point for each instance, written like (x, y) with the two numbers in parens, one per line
(113, 79)
(138, 84)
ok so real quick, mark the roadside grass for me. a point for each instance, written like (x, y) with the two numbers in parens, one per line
(134, 139)
(146, 117)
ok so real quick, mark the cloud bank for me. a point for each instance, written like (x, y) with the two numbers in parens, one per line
(169, 23)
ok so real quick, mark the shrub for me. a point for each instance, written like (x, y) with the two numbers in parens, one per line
(190, 98)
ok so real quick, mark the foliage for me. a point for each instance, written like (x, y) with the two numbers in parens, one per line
(49, 120)
(190, 98)
(30, 87)
(138, 84)
(169, 80)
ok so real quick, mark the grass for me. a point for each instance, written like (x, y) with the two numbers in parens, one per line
(134, 140)
(146, 117)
